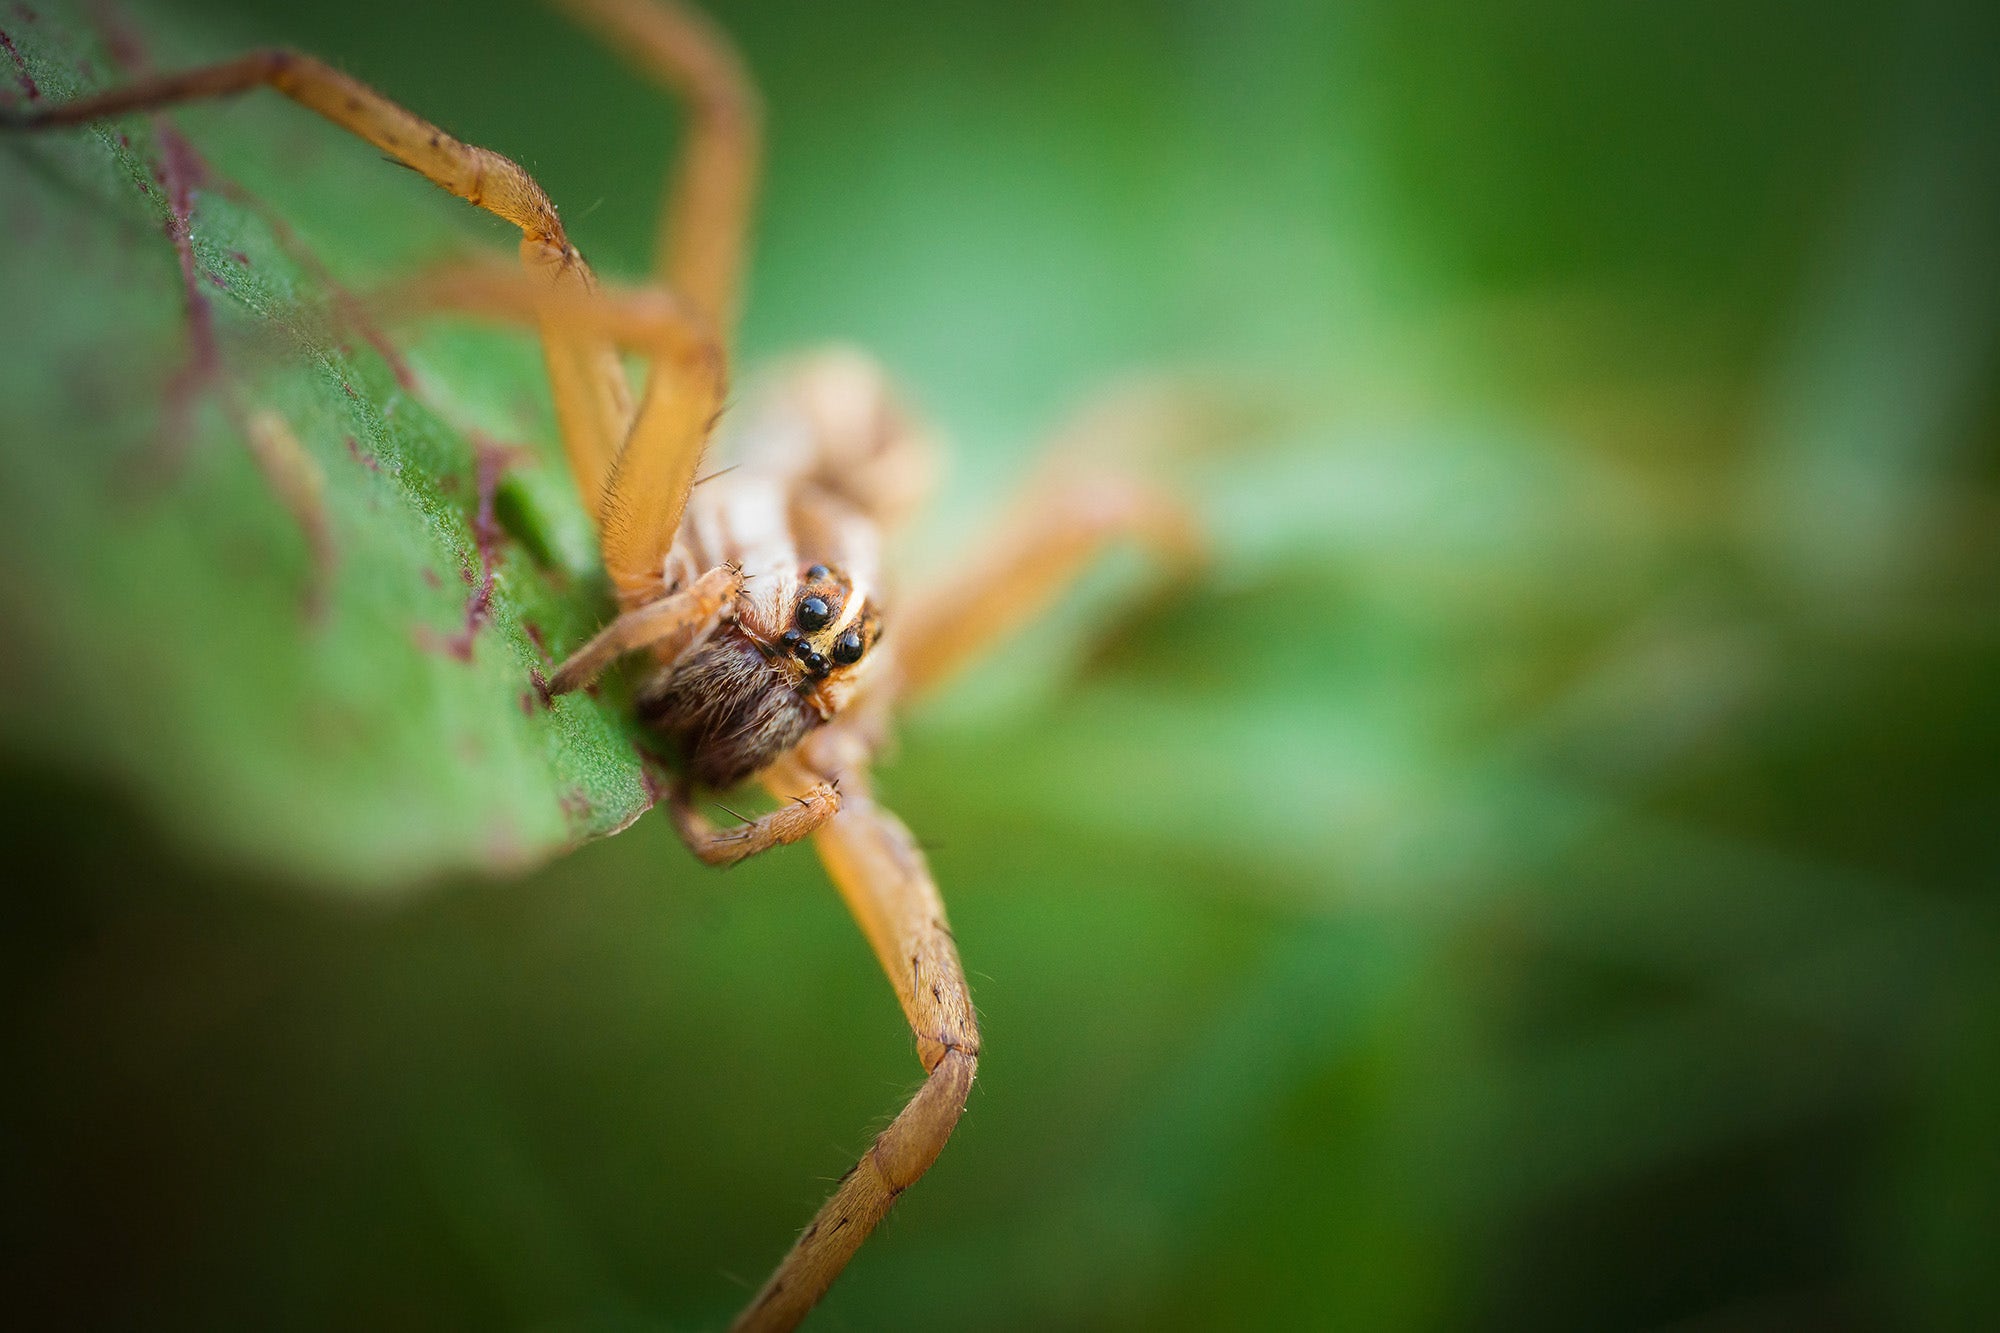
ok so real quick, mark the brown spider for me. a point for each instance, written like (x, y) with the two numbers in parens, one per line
(758, 597)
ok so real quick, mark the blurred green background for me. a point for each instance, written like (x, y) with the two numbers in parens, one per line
(1542, 877)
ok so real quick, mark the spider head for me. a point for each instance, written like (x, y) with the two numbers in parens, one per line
(831, 628)
(791, 659)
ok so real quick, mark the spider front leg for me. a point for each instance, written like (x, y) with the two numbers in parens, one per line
(647, 489)
(587, 381)
(797, 818)
(887, 886)
(668, 627)
(477, 175)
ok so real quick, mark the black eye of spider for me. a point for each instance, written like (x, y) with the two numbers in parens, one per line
(791, 639)
(817, 572)
(847, 648)
(814, 613)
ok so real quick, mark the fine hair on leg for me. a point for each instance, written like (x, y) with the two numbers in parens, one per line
(704, 225)
(667, 627)
(883, 878)
(796, 818)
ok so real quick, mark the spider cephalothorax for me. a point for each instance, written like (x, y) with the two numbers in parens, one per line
(752, 691)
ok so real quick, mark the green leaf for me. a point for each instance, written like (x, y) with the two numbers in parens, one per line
(313, 643)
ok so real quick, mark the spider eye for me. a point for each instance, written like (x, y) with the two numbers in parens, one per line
(817, 572)
(814, 613)
(847, 648)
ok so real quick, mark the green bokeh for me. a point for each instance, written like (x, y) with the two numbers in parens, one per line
(1541, 876)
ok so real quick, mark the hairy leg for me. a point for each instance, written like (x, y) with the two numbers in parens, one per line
(301, 486)
(1087, 496)
(1058, 528)
(668, 626)
(705, 224)
(647, 490)
(592, 402)
(796, 818)
(480, 177)
(888, 888)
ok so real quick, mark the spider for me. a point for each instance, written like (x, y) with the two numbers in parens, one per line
(771, 646)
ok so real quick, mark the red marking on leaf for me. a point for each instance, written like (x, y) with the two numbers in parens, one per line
(491, 462)
(180, 172)
(127, 51)
(130, 56)
(535, 636)
(575, 803)
(346, 305)
(367, 460)
(406, 379)
(21, 75)
(431, 577)
(654, 786)
(538, 699)
(459, 645)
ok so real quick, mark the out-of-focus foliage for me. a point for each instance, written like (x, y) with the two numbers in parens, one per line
(1542, 876)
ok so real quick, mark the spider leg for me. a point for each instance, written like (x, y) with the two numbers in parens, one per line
(301, 487)
(887, 887)
(477, 175)
(794, 819)
(705, 223)
(592, 401)
(1055, 531)
(667, 626)
(647, 488)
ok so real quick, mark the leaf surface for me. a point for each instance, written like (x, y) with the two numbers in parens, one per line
(289, 578)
